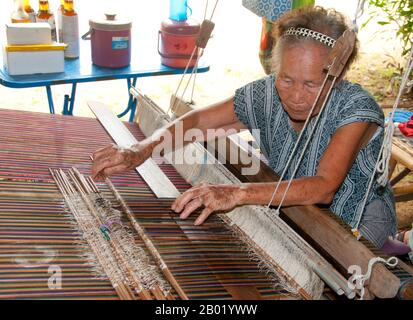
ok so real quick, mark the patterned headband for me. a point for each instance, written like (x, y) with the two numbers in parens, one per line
(310, 34)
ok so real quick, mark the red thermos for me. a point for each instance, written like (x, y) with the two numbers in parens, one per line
(177, 37)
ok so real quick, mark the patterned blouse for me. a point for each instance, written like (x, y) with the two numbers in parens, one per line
(258, 106)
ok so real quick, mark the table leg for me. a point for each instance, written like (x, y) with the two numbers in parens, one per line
(50, 99)
(131, 102)
(72, 99)
(69, 102)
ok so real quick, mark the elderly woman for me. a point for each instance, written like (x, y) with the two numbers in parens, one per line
(340, 158)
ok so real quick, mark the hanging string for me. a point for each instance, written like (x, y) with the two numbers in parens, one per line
(358, 14)
(196, 72)
(305, 146)
(182, 79)
(287, 166)
(361, 279)
(382, 164)
(206, 9)
(199, 52)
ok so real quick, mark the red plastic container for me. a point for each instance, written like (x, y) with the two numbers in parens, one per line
(111, 41)
(177, 42)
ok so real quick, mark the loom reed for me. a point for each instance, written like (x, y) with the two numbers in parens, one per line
(81, 182)
(94, 239)
(142, 278)
(148, 242)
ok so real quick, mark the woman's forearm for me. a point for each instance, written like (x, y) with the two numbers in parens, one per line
(197, 125)
(303, 191)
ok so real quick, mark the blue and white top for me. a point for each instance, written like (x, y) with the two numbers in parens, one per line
(258, 106)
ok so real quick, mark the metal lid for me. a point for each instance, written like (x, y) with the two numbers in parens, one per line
(110, 23)
(187, 27)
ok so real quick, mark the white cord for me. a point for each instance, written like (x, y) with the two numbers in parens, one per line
(382, 164)
(305, 146)
(384, 161)
(359, 280)
(199, 52)
(358, 14)
(296, 144)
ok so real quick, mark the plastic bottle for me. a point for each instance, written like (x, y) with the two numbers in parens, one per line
(29, 10)
(70, 30)
(19, 15)
(45, 15)
(178, 10)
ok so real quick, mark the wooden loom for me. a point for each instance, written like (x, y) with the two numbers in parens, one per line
(228, 257)
(38, 235)
(321, 228)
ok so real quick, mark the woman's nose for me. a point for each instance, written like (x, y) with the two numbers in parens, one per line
(297, 94)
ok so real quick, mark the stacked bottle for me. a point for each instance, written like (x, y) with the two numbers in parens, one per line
(19, 15)
(45, 15)
(29, 10)
(70, 30)
(59, 19)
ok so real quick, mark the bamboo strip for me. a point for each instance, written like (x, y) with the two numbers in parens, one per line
(148, 242)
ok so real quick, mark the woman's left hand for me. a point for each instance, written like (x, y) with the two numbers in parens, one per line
(212, 197)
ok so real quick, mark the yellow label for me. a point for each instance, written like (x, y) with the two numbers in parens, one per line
(36, 47)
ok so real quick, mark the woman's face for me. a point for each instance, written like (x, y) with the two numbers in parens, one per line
(300, 77)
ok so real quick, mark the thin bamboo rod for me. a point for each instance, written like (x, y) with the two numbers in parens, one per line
(148, 242)
(66, 189)
(63, 188)
(114, 244)
(78, 178)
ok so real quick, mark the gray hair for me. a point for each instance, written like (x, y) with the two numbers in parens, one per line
(326, 21)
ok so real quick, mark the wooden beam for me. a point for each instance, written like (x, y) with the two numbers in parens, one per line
(402, 153)
(323, 230)
(150, 172)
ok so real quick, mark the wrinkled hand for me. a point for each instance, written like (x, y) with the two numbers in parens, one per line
(212, 197)
(113, 159)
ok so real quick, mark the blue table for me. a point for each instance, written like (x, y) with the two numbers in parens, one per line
(145, 63)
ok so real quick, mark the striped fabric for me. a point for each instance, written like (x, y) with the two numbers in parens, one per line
(40, 240)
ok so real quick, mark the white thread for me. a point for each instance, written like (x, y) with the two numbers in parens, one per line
(382, 164)
(199, 52)
(363, 278)
(296, 145)
(306, 145)
(358, 14)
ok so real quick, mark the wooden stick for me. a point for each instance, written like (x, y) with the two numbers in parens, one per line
(79, 181)
(149, 244)
(63, 186)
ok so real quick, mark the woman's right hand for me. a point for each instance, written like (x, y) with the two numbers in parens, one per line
(113, 159)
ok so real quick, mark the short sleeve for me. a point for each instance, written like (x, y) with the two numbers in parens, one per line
(253, 106)
(240, 106)
(358, 106)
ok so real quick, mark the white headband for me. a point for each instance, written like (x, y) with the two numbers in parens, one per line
(320, 37)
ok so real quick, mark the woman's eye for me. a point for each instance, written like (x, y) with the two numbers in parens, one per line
(311, 85)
